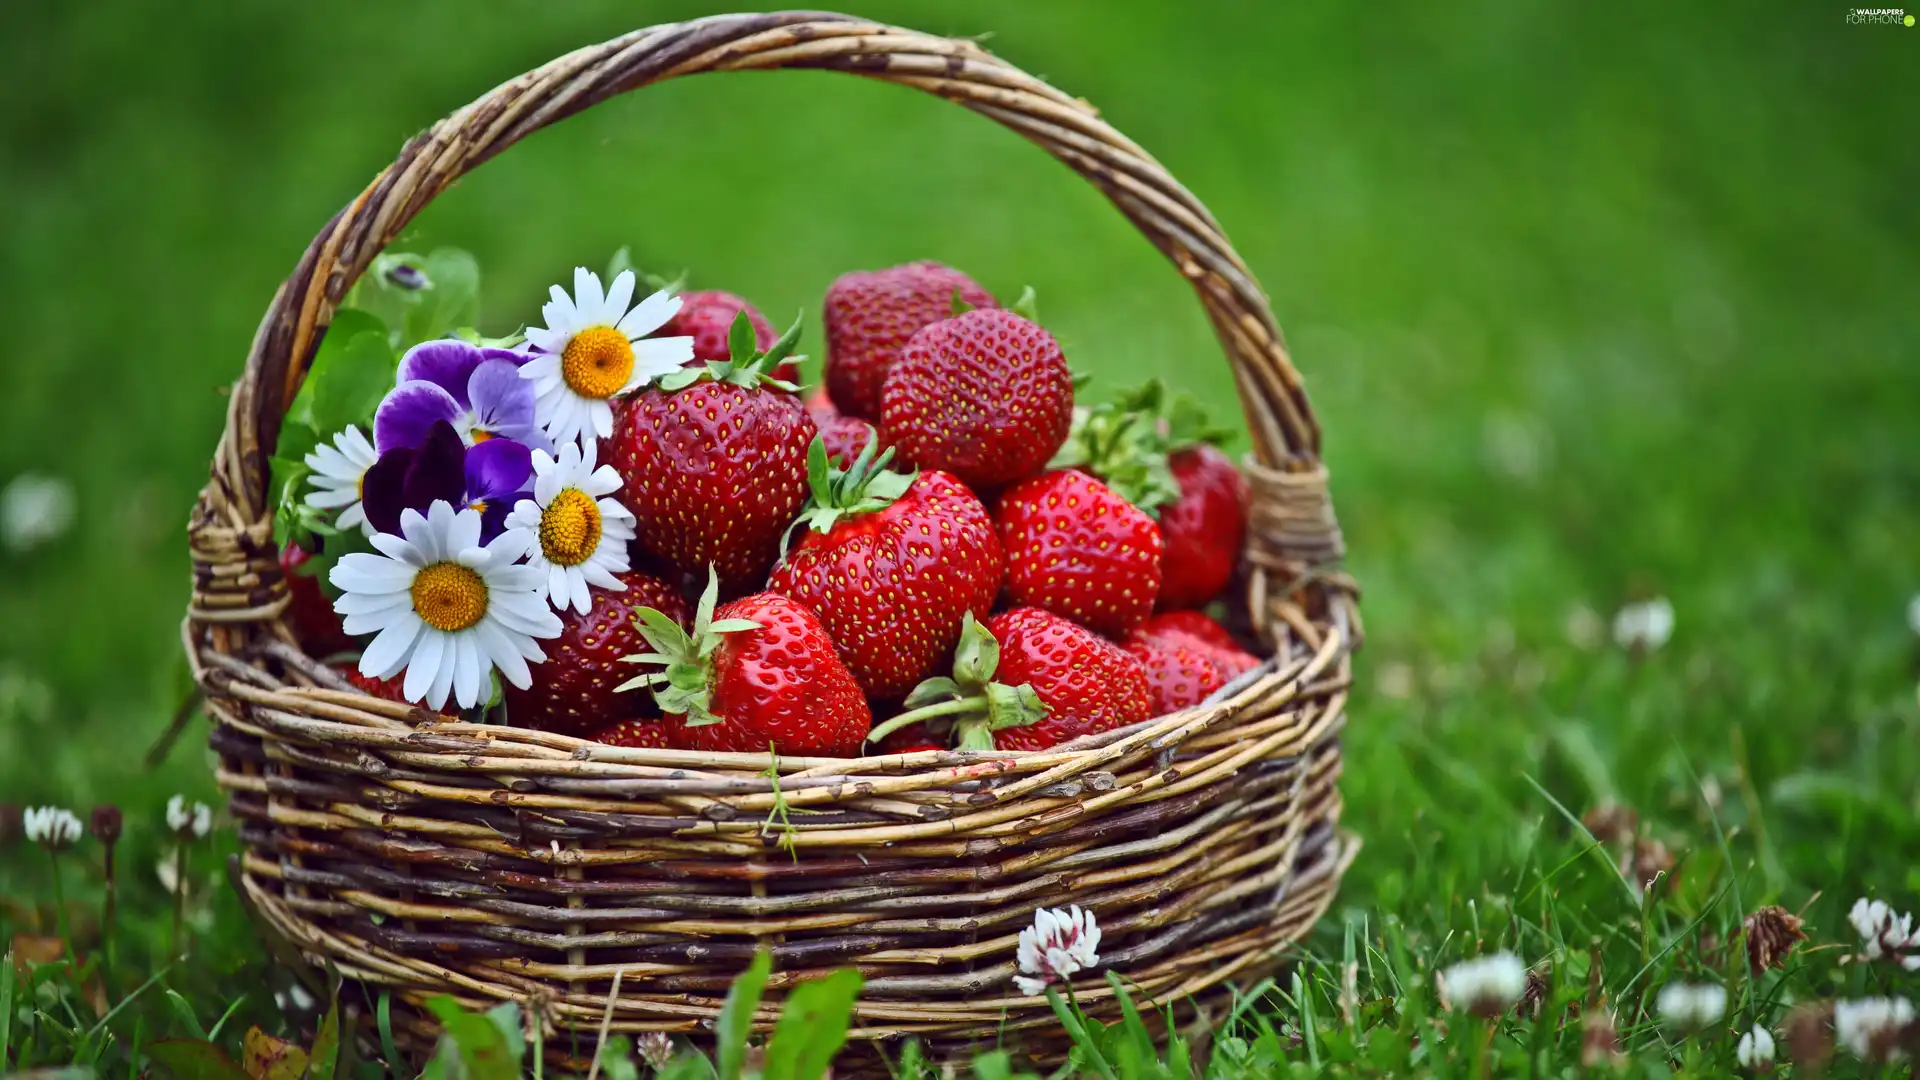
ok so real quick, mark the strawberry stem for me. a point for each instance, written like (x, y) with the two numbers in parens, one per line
(684, 685)
(929, 712)
(981, 705)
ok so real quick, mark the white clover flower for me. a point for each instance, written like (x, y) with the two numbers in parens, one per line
(34, 510)
(1870, 1027)
(575, 536)
(593, 349)
(338, 473)
(1885, 933)
(1059, 944)
(1691, 1006)
(1487, 985)
(189, 822)
(52, 826)
(1756, 1049)
(1646, 625)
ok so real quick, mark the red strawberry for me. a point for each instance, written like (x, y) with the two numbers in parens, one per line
(1028, 680)
(1204, 529)
(308, 609)
(388, 689)
(573, 692)
(1194, 624)
(891, 564)
(908, 740)
(1181, 670)
(870, 314)
(760, 672)
(845, 438)
(642, 734)
(1157, 456)
(715, 462)
(985, 395)
(1077, 549)
(707, 316)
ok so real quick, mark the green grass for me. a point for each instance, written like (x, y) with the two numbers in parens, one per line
(1594, 303)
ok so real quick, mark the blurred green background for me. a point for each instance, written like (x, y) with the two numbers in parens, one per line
(1594, 302)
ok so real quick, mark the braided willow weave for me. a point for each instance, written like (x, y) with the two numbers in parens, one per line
(490, 863)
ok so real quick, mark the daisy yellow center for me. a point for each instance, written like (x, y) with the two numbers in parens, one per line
(597, 362)
(570, 528)
(449, 597)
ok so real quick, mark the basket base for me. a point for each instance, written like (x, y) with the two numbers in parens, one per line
(1196, 1006)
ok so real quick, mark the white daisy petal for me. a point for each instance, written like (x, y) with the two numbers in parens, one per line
(424, 668)
(582, 602)
(466, 671)
(650, 314)
(443, 673)
(364, 572)
(619, 295)
(655, 357)
(505, 656)
(389, 652)
(602, 481)
(588, 296)
(398, 548)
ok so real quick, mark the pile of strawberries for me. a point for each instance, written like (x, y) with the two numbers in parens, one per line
(939, 550)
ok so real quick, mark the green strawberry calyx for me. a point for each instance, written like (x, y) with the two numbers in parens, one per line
(971, 701)
(684, 685)
(1128, 442)
(865, 486)
(747, 366)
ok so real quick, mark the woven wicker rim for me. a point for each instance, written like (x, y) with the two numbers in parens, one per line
(1207, 838)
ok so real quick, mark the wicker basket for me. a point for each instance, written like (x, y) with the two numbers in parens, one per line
(496, 863)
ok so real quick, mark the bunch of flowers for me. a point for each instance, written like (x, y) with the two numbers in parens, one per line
(480, 494)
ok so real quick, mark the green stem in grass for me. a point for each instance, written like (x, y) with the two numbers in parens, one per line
(179, 893)
(979, 705)
(60, 909)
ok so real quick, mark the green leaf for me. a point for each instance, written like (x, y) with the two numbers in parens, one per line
(812, 1027)
(349, 379)
(736, 1015)
(484, 1053)
(938, 688)
(1028, 306)
(742, 345)
(506, 1017)
(977, 656)
(1013, 706)
(621, 262)
(194, 1059)
(190, 1019)
(451, 298)
(616, 1054)
(960, 303)
(323, 1058)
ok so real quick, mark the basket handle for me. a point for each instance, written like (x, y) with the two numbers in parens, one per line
(233, 517)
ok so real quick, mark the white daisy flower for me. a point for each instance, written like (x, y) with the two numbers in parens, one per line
(190, 822)
(574, 537)
(1487, 985)
(1689, 1006)
(1870, 1028)
(1060, 943)
(53, 826)
(338, 471)
(1755, 1050)
(591, 351)
(447, 610)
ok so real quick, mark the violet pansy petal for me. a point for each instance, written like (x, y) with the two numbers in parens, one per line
(496, 471)
(502, 400)
(437, 473)
(516, 356)
(447, 363)
(410, 412)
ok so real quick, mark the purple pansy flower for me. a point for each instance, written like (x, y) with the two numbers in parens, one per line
(486, 477)
(477, 391)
